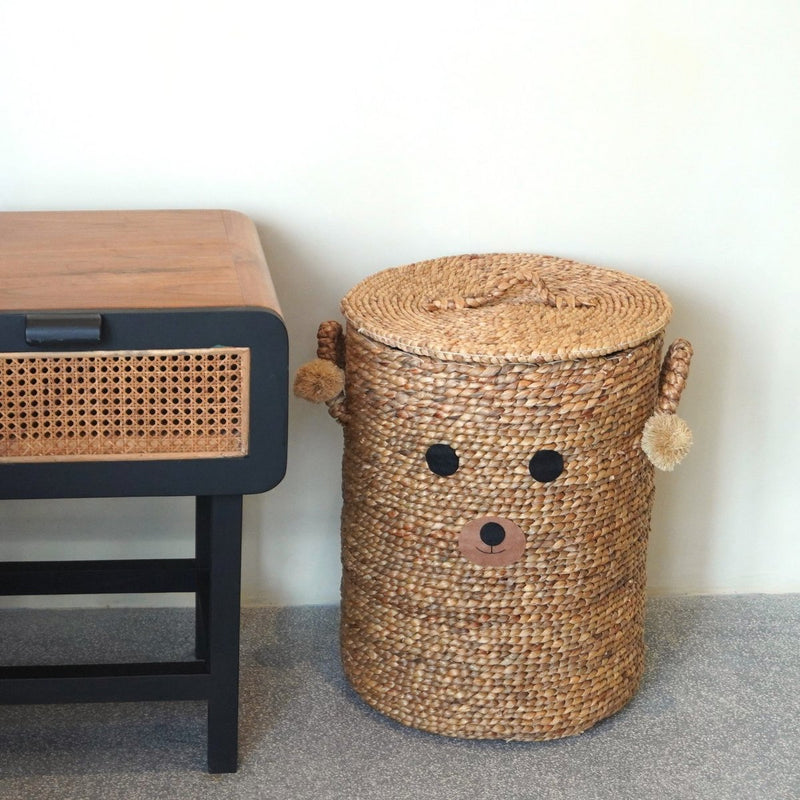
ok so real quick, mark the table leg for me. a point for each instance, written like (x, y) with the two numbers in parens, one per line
(202, 556)
(223, 610)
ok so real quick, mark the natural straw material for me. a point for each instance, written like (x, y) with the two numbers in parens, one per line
(538, 649)
(319, 381)
(496, 496)
(502, 308)
(666, 440)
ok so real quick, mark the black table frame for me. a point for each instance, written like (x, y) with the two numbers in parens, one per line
(213, 575)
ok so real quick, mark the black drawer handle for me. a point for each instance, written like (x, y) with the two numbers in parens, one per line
(77, 328)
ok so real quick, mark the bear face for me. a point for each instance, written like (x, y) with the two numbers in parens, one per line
(481, 461)
(492, 540)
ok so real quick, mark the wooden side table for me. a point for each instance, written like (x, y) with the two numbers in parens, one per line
(141, 353)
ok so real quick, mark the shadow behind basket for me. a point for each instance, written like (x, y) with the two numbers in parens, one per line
(496, 495)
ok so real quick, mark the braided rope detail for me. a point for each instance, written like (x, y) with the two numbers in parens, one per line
(330, 342)
(330, 346)
(541, 294)
(674, 373)
(337, 410)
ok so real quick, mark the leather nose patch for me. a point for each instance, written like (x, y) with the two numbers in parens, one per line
(491, 541)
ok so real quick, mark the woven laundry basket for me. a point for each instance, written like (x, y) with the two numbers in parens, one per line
(496, 493)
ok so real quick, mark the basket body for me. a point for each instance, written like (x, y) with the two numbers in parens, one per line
(540, 648)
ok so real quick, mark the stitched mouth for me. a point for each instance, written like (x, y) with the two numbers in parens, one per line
(491, 551)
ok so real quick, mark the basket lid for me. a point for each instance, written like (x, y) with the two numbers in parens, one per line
(506, 308)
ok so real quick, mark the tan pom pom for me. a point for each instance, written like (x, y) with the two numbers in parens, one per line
(319, 381)
(666, 440)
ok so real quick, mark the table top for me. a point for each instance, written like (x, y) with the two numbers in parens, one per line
(106, 260)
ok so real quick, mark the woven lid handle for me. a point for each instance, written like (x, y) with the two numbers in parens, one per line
(501, 284)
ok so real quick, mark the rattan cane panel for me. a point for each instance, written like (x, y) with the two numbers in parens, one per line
(124, 405)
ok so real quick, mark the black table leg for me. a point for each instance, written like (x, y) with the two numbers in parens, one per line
(202, 555)
(223, 610)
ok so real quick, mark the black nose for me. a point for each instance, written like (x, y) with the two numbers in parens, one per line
(492, 533)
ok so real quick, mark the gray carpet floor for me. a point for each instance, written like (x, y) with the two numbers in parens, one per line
(717, 716)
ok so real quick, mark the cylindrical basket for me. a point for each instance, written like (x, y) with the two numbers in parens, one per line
(496, 493)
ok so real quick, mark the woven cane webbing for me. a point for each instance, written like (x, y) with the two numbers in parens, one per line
(544, 647)
(506, 308)
(107, 405)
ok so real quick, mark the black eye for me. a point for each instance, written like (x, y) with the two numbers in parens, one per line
(442, 459)
(546, 465)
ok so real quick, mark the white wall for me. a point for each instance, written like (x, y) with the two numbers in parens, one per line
(656, 137)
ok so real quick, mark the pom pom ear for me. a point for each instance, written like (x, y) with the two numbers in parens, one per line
(319, 381)
(666, 440)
